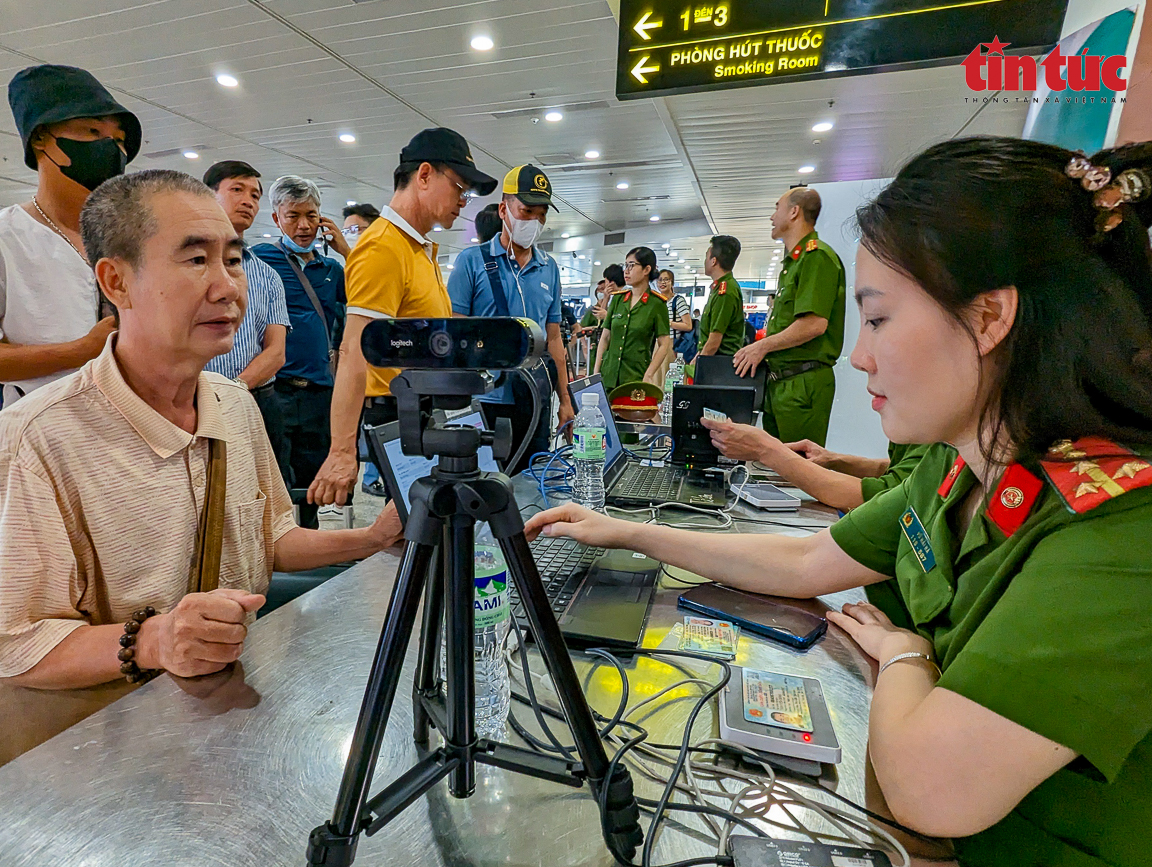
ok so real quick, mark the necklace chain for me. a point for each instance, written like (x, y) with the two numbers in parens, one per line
(57, 230)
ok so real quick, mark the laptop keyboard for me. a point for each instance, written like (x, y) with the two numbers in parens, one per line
(563, 564)
(654, 484)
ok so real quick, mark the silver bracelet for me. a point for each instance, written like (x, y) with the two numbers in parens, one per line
(910, 655)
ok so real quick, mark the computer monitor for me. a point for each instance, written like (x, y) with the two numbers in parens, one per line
(718, 370)
(401, 470)
(612, 446)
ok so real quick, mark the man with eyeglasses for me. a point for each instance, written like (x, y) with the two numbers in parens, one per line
(392, 272)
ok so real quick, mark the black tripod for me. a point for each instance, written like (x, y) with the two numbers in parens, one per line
(445, 507)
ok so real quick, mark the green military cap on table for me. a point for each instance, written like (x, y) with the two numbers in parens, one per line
(635, 401)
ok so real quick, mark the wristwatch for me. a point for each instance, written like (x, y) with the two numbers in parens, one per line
(240, 381)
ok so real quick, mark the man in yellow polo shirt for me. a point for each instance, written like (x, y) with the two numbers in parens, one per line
(392, 272)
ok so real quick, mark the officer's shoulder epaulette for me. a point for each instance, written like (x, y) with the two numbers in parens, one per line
(1093, 470)
(813, 244)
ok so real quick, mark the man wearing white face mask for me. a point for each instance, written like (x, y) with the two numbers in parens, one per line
(509, 276)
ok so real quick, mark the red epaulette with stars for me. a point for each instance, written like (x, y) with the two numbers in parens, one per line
(811, 245)
(1094, 470)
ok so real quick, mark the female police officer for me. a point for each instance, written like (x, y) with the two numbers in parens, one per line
(1005, 293)
(637, 322)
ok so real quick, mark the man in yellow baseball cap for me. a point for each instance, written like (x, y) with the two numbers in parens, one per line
(510, 276)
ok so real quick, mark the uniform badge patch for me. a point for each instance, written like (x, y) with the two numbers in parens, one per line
(811, 245)
(918, 538)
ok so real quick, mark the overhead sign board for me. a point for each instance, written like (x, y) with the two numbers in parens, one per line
(669, 47)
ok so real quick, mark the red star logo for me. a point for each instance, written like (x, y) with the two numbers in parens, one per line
(996, 46)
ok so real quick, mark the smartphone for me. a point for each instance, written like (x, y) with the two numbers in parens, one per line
(767, 616)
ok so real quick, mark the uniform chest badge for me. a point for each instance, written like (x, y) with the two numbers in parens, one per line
(917, 537)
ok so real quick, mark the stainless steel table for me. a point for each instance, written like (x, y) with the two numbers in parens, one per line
(237, 768)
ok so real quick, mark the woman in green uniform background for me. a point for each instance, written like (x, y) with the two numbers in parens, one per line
(1005, 291)
(635, 335)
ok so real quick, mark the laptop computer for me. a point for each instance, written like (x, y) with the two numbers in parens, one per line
(600, 598)
(629, 483)
(718, 370)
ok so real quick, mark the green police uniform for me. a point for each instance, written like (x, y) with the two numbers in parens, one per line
(1042, 613)
(634, 330)
(589, 320)
(798, 404)
(724, 312)
(902, 460)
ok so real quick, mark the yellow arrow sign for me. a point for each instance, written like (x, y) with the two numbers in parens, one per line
(639, 69)
(642, 26)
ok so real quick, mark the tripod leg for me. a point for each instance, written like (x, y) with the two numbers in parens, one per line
(622, 814)
(458, 554)
(428, 664)
(338, 838)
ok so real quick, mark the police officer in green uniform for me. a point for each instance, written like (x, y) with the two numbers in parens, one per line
(637, 323)
(722, 322)
(1012, 708)
(805, 332)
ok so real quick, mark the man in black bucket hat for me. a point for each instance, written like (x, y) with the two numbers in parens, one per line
(75, 136)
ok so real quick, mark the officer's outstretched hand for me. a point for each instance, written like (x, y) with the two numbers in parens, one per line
(583, 525)
(742, 442)
(747, 357)
(812, 452)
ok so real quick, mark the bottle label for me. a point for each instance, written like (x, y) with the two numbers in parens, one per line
(490, 588)
(588, 444)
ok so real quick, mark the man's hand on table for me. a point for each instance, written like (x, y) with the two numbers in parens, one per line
(201, 635)
(744, 442)
(583, 525)
(387, 530)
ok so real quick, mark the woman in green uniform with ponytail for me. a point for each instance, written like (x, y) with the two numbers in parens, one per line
(1005, 294)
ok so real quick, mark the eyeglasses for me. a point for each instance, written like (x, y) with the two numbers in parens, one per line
(462, 191)
(628, 266)
(350, 230)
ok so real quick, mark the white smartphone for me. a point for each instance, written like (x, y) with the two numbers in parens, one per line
(765, 496)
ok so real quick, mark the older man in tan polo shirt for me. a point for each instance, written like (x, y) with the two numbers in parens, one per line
(103, 475)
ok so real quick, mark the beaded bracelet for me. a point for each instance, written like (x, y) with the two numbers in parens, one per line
(127, 653)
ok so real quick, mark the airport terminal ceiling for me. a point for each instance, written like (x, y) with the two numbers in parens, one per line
(331, 89)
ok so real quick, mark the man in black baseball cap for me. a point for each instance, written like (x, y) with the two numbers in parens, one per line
(442, 147)
(394, 271)
(75, 136)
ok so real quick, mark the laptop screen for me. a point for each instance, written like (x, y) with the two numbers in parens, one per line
(612, 446)
(405, 469)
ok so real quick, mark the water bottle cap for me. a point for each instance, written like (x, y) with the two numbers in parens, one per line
(589, 398)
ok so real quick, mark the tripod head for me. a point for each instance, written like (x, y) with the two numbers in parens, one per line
(418, 392)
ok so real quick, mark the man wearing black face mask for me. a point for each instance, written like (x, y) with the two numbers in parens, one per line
(75, 136)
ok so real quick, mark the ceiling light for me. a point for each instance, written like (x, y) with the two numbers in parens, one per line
(823, 126)
(806, 170)
(581, 256)
(351, 202)
(655, 218)
(482, 43)
(597, 262)
(565, 235)
(226, 80)
(554, 117)
(347, 137)
(267, 235)
(475, 240)
(592, 155)
(665, 246)
(681, 262)
(191, 155)
(623, 185)
(437, 228)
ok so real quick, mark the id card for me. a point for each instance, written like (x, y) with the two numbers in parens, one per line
(715, 637)
(776, 700)
(714, 415)
(918, 538)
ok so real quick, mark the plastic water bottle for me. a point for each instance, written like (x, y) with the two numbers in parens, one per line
(673, 378)
(588, 450)
(491, 619)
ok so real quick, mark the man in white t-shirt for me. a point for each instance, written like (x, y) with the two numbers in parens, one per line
(75, 136)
